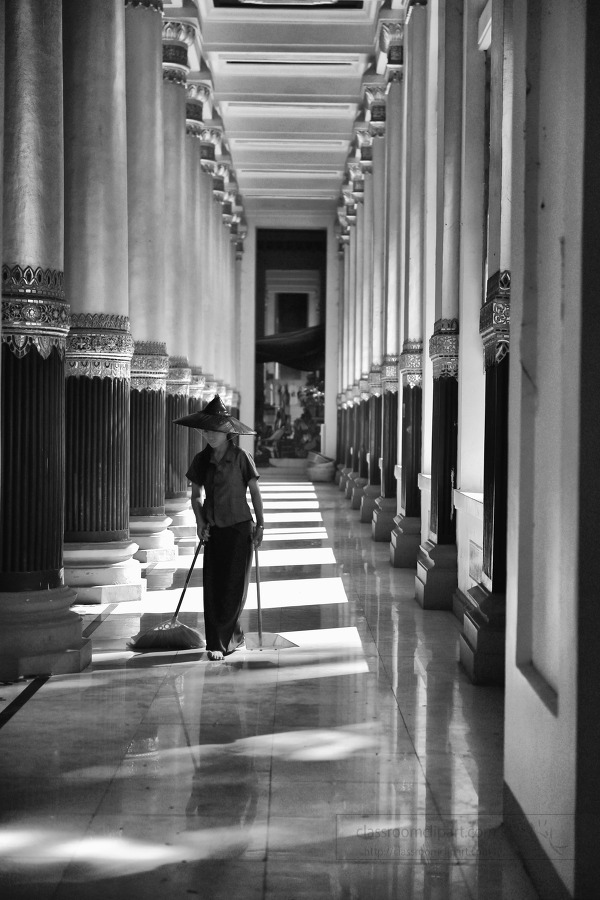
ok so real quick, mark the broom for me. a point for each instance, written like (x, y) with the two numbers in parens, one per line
(173, 634)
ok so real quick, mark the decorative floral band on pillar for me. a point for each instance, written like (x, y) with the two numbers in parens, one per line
(494, 319)
(411, 363)
(211, 137)
(156, 5)
(389, 374)
(197, 383)
(349, 398)
(177, 37)
(149, 366)
(375, 386)
(210, 388)
(197, 95)
(443, 348)
(375, 115)
(363, 388)
(99, 345)
(179, 377)
(34, 312)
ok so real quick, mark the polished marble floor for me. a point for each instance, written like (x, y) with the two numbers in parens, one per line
(356, 762)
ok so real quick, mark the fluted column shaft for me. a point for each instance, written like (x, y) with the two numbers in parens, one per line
(437, 574)
(100, 346)
(177, 37)
(33, 293)
(145, 203)
(38, 632)
(406, 535)
(385, 510)
(444, 343)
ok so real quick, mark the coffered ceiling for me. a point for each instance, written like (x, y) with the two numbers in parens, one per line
(286, 82)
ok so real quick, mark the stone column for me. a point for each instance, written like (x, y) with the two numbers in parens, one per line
(177, 37)
(406, 535)
(350, 338)
(365, 158)
(356, 478)
(177, 455)
(339, 441)
(376, 113)
(436, 579)
(196, 403)
(39, 634)
(482, 644)
(386, 504)
(98, 550)
(210, 140)
(145, 203)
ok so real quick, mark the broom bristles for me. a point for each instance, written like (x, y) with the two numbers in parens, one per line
(171, 635)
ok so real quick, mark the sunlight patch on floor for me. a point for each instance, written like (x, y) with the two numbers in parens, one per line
(293, 516)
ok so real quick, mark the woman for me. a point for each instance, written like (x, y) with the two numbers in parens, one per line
(222, 473)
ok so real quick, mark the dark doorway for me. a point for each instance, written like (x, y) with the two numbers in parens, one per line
(291, 268)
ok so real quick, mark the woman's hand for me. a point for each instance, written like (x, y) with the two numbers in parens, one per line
(257, 536)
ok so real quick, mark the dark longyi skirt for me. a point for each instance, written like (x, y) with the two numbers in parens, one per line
(226, 574)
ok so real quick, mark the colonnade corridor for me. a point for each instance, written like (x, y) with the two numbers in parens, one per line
(358, 763)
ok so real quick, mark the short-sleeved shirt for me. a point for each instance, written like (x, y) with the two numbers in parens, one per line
(225, 483)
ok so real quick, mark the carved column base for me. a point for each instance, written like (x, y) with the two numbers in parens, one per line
(437, 575)
(405, 541)
(156, 543)
(358, 492)
(353, 477)
(103, 572)
(371, 494)
(41, 635)
(482, 643)
(383, 518)
(345, 473)
(183, 524)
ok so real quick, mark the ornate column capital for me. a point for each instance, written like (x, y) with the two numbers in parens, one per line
(357, 180)
(391, 45)
(375, 384)
(197, 383)
(210, 388)
(34, 311)
(99, 345)
(196, 96)
(375, 113)
(211, 137)
(443, 348)
(364, 140)
(411, 363)
(494, 319)
(363, 387)
(389, 374)
(221, 176)
(149, 366)
(179, 376)
(155, 5)
(177, 37)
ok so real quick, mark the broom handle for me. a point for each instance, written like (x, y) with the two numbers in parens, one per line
(187, 580)
(260, 635)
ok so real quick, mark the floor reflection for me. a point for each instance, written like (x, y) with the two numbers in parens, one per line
(358, 762)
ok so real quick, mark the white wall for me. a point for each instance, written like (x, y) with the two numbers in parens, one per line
(542, 598)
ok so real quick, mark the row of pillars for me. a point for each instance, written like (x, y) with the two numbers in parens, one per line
(398, 412)
(118, 247)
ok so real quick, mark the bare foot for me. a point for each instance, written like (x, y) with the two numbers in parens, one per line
(215, 655)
